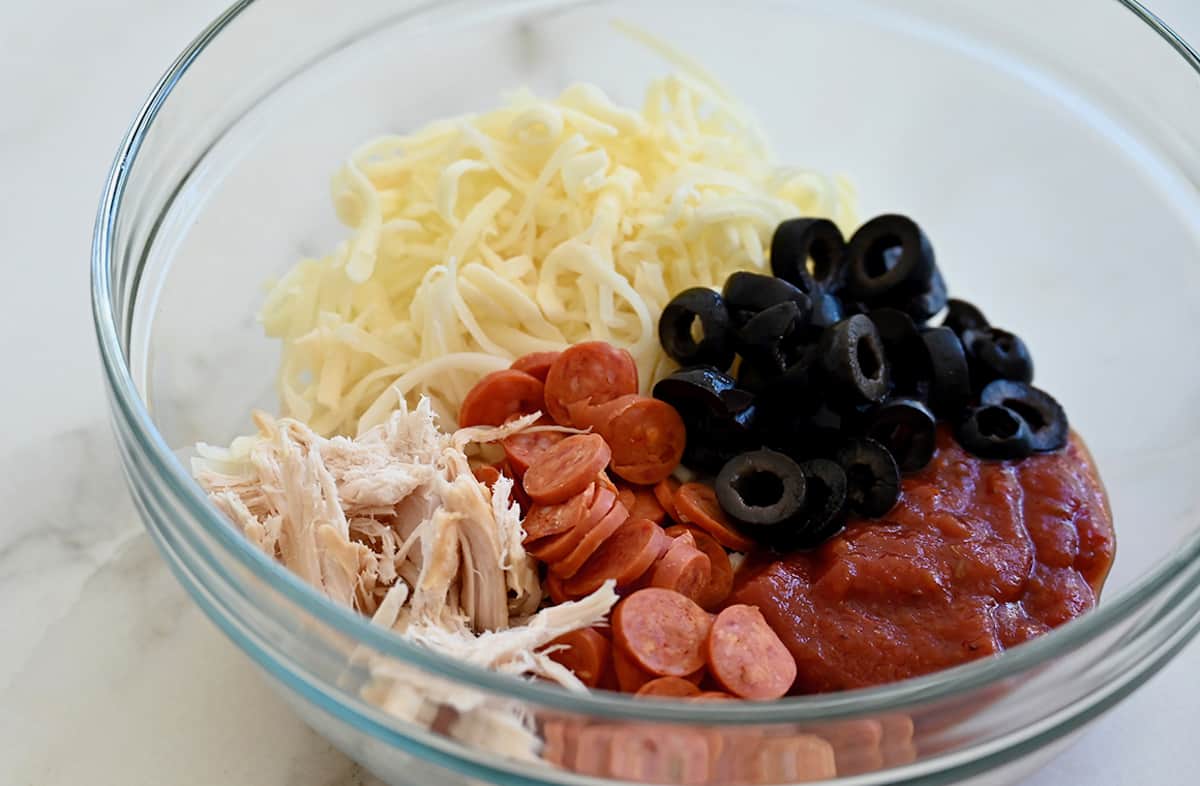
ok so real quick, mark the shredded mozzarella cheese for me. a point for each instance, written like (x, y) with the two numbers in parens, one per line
(543, 223)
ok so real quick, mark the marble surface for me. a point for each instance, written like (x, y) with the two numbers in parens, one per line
(108, 674)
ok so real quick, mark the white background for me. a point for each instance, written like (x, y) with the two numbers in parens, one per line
(76, 706)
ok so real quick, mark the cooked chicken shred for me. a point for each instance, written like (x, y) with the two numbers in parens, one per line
(394, 524)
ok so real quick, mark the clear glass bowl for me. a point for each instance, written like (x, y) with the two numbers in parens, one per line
(1052, 150)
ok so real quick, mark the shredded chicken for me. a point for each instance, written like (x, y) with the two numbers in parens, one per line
(353, 517)
(394, 524)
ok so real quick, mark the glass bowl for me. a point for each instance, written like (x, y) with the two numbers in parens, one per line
(1052, 150)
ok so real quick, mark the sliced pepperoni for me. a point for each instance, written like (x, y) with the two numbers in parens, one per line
(746, 657)
(524, 449)
(647, 441)
(646, 506)
(518, 494)
(593, 371)
(624, 557)
(597, 417)
(897, 746)
(606, 482)
(626, 497)
(486, 474)
(664, 492)
(562, 738)
(554, 588)
(586, 653)
(675, 687)
(720, 576)
(697, 504)
(662, 631)
(684, 568)
(591, 541)
(713, 695)
(499, 396)
(644, 753)
(630, 676)
(567, 468)
(792, 758)
(536, 364)
(558, 547)
(594, 750)
(543, 521)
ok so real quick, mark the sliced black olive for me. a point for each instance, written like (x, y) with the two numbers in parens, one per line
(888, 255)
(1044, 416)
(950, 388)
(826, 311)
(698, 310)
(797, 387)
(923, 305)
(824, 512)
(997, 354)
(763, 491)
(963, 316)
(872, 477)
(762, 339)
(713, 439)
(807, 252)
(746, 294)
(718, 415)
(802, 432)
(907, 429)
(854, 361)
(756, 378)
(703, 387)
(903, 347)
(995, 432)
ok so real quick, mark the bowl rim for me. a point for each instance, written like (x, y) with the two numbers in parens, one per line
(131, 414)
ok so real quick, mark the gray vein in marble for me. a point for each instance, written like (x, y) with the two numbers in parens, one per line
(66, 510)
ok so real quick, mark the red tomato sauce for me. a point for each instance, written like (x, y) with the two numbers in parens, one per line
(977, 557)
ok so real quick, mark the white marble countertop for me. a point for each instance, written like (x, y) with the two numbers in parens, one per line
(108, 674)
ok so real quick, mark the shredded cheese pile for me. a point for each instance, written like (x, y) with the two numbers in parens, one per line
(540, 224)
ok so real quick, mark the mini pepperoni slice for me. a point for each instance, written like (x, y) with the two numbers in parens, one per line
(604, 481)
(646, 506)
(664, 492)
(720, 576)
(594, 750)
(567, 468)
(554, 588)
(523, 449)
(645, 753)
(562, 741)
(499, 396)
(684, 568)
(630, 676)
(626, 497)
(624, 557)
(697, 504)
(591, 541)
(486, 474)
(746, 657)
(793, 758)
(662, 631)
(647, 441)
(546, 520)
(536, 364)
(673, 687)
(586, 654)
(518, 494)
(594, 372)
(713, 695)
(597, 417)
(558, 547)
